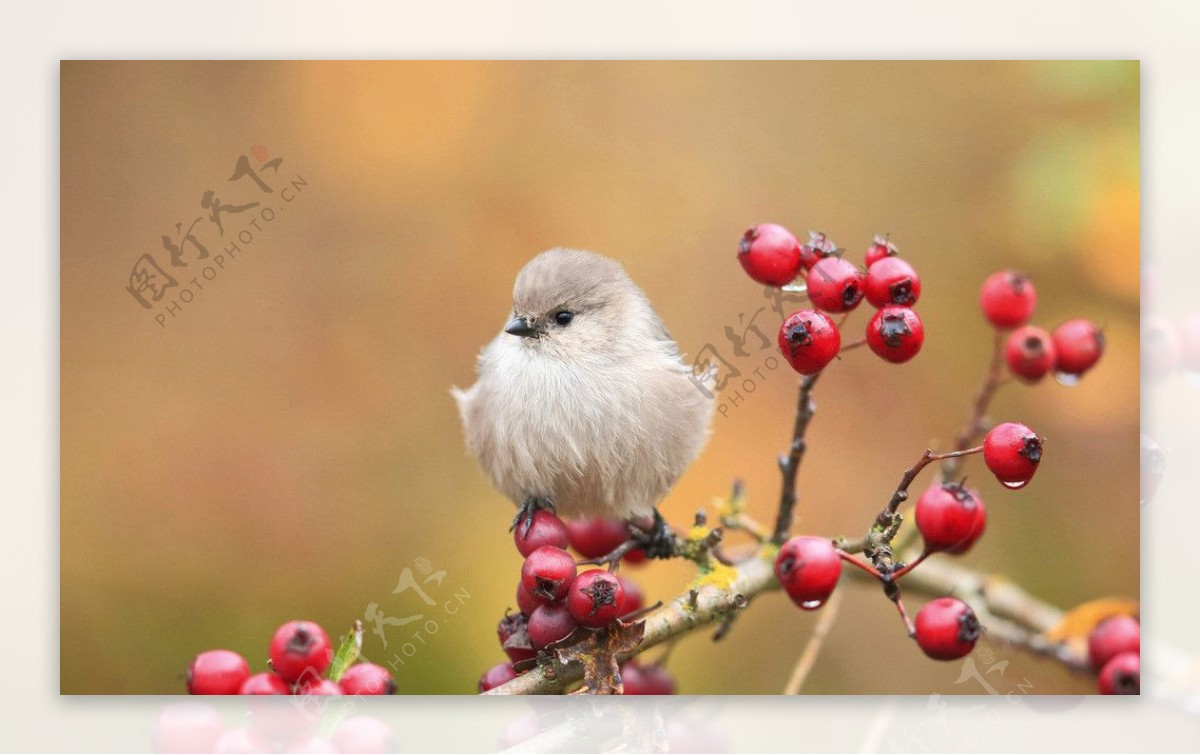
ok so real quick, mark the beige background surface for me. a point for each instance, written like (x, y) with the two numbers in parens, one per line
(1157, 32)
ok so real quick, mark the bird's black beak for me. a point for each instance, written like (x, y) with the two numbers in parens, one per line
(519, 326)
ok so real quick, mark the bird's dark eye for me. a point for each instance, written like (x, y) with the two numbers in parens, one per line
(564, 317)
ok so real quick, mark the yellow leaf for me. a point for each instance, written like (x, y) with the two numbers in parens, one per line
(1082, 619)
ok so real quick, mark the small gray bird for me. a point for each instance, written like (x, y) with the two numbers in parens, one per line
(584, 404)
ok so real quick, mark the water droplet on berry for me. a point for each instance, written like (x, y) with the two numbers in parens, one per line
(1014, 485)
(812, 605)
(1067, 379)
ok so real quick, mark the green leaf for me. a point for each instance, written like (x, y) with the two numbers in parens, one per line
(347, 653)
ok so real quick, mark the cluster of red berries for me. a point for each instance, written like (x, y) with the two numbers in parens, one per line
(1008, 299)
(555, 600)
(1115, 652)
(300, 654)
(809, 568)
(950, 516)
(809, 339)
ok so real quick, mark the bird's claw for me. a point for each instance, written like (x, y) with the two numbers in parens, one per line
(659, 542)
(526, 511)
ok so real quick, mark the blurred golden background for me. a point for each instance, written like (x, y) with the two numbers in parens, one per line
(284, 444)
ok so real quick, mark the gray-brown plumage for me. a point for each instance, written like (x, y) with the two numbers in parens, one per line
(584, 399)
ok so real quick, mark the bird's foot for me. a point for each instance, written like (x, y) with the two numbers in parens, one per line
(527, 509)
(652, 537)
(658, 541)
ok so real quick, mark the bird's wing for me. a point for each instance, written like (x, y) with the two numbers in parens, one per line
(662, 334)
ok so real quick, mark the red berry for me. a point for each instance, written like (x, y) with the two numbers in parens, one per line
(951, 517)
(367, 679)
(595, 599)
(514, 637)
(319, 687)
(363, 734)
(947, 629)
(770, 254)
(525, 600)
(1078, 345)
(547, 574)
(243, 739)
(217, 672)
(188, 726)
(1189, 337)
(819, 247)
(895, 334)
(501, 673)
(1007, 299)
(1113, 636)
(809, 340)
(595, 537)
(1012, 451)
(549, 624)
(835, 285)
(265, 684)
(1161, 349)
(1154, 466)
(309, 744)
(545, 529)
(808, 568)
(646, 680)
(632, 598)
(880, 249)
(635, 557)
(1122, 675)
(1029, 353)
(892, 281)
(299, 647)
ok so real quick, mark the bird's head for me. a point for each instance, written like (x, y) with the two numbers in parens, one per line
(566, 300)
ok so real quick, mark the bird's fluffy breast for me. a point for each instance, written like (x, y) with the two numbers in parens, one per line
(595, 433)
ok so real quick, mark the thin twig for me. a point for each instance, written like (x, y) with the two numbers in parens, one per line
(855, 561)
(976, 424)
(906, 568)
(806, 660)
(878, 542)
(790, 464)
(887, 523)
(901, 493)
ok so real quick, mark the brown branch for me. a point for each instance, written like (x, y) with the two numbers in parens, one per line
(698, 607)
(976, 425)
(877, 543)
(1010, 615)
(790, 464)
